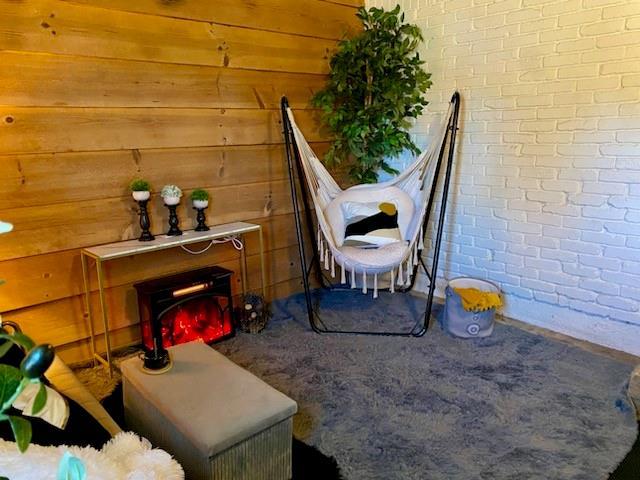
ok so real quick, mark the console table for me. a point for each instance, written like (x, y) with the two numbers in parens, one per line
(103, 253)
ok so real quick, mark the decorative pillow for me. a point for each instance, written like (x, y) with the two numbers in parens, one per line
(370, 225)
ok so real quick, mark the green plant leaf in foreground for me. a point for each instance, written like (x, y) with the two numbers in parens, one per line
(10, 378)
(19, 339)
(5, 347)
(40, 400)
(21, 431)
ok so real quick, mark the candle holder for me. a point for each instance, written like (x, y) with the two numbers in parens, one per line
(171, 195)
(146, 235)
(174, 231)
(142, 197)
(199, 206)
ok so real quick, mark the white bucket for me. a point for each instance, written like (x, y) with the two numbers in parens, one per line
(460, 323)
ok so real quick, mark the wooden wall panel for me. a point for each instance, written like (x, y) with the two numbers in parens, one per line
(71, 81)
(64, 226)
(53, 26)
(37, 129)
(312, 18)
(47, 179)
(350, 3)
(94, 93)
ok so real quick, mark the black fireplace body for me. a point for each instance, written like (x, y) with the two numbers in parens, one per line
(194, 305)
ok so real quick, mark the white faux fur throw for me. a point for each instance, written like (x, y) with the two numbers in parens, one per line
(124, 457)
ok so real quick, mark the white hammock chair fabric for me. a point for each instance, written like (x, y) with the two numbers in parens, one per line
(410, 191)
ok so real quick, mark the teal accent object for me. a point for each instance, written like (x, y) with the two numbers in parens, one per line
(71, 468)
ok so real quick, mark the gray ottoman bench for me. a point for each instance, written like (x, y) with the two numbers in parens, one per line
(217, 419)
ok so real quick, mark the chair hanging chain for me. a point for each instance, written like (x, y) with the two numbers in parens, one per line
(235, 241)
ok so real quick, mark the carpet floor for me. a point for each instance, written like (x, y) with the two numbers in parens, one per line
(511, 406)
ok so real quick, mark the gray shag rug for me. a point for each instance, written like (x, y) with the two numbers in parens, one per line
(511, 406)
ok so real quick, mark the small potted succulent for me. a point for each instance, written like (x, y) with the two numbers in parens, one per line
(200, 199)
(171, 194)
(140, 189)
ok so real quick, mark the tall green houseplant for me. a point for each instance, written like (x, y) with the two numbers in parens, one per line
(375, 87)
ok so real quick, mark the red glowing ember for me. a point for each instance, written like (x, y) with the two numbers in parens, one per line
(191, 306)
(197, 319)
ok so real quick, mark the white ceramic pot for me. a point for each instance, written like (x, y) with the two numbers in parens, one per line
(171, 200)
(141, 195)
(201, 203)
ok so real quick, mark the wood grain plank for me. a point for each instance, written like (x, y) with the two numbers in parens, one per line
(305, 17)
(49, 277)
(45, 229)
(350, 3)
(40, 130)
(53, 26)
(65, 80)
(63, 321)
(47, 179)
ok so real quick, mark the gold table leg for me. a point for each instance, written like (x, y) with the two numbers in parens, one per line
(105, 316)
(264, 289)
(243, 266)
(87, 304)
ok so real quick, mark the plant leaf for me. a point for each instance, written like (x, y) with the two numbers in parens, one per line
(375, 85)
(5, 347)
(10, 378)
(40, 400)
(19, 339)
(21, 431)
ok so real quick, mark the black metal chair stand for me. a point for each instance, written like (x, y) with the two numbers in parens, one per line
(300, 191)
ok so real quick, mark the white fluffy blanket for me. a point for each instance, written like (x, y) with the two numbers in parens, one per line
(124, 457)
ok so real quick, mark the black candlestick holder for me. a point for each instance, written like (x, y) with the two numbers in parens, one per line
(145, 236)
(173, 221)
(200, 217)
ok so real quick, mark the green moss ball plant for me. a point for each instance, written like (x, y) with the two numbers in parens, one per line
(140, 189)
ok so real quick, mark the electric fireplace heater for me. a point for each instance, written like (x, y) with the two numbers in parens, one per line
(194, 305)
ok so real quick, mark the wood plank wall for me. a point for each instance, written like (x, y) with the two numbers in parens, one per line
(96, 92)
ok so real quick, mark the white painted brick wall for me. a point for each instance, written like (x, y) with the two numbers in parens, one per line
(546, 195)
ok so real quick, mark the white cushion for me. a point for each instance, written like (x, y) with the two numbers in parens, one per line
(374, 260)
(369, 194)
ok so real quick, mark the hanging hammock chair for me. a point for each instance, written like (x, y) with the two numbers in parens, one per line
(412, 195)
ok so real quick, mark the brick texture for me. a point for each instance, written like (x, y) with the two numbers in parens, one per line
(546, 195)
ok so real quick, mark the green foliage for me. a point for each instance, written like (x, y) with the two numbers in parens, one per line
(10, 380)
(21, 428)
(199, 194)
(140, 185)
(19, 339)
(13, 381)
(40, 400)
(375, 86)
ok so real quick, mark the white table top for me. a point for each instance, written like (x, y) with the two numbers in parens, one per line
(161, 242)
